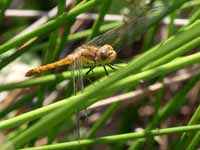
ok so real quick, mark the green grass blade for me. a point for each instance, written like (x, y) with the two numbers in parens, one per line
(115, 138)
(186, 138)
(176, 53)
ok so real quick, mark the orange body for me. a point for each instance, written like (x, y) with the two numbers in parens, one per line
(88, 54)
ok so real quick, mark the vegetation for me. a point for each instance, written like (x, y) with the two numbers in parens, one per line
(150, 101)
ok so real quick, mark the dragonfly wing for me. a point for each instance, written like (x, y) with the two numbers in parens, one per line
(126, 34)
(77, 79)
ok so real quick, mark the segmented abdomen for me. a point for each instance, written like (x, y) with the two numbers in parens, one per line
(65, 61)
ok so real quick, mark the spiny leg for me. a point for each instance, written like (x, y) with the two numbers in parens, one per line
(106, 70)
(91, 68)
(86, 74)
(111, 66)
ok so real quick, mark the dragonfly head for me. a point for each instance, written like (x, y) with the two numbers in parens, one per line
(106, 54)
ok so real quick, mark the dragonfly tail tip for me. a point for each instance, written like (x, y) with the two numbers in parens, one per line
(30, 73)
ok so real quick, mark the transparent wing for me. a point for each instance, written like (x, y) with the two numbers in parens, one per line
(78, 85)
(117, 36)
(129, 32)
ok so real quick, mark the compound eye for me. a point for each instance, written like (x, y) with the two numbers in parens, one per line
(103, 55)
(105, 52)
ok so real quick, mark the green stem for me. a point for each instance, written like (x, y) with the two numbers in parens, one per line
(171, 26)
(194, 142)
(195, 16)
(192, 3)
(174, 54)
(149, 38)
(116, 138)
(186, 138)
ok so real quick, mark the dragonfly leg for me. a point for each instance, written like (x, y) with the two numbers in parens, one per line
(111, 66)
(91, 68)
(106, 70)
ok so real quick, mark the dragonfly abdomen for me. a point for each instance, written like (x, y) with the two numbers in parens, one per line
(66, 61)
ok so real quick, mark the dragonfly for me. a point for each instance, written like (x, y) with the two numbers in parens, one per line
(88, 54)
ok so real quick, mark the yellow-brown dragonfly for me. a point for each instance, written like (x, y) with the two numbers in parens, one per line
(88, 54)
